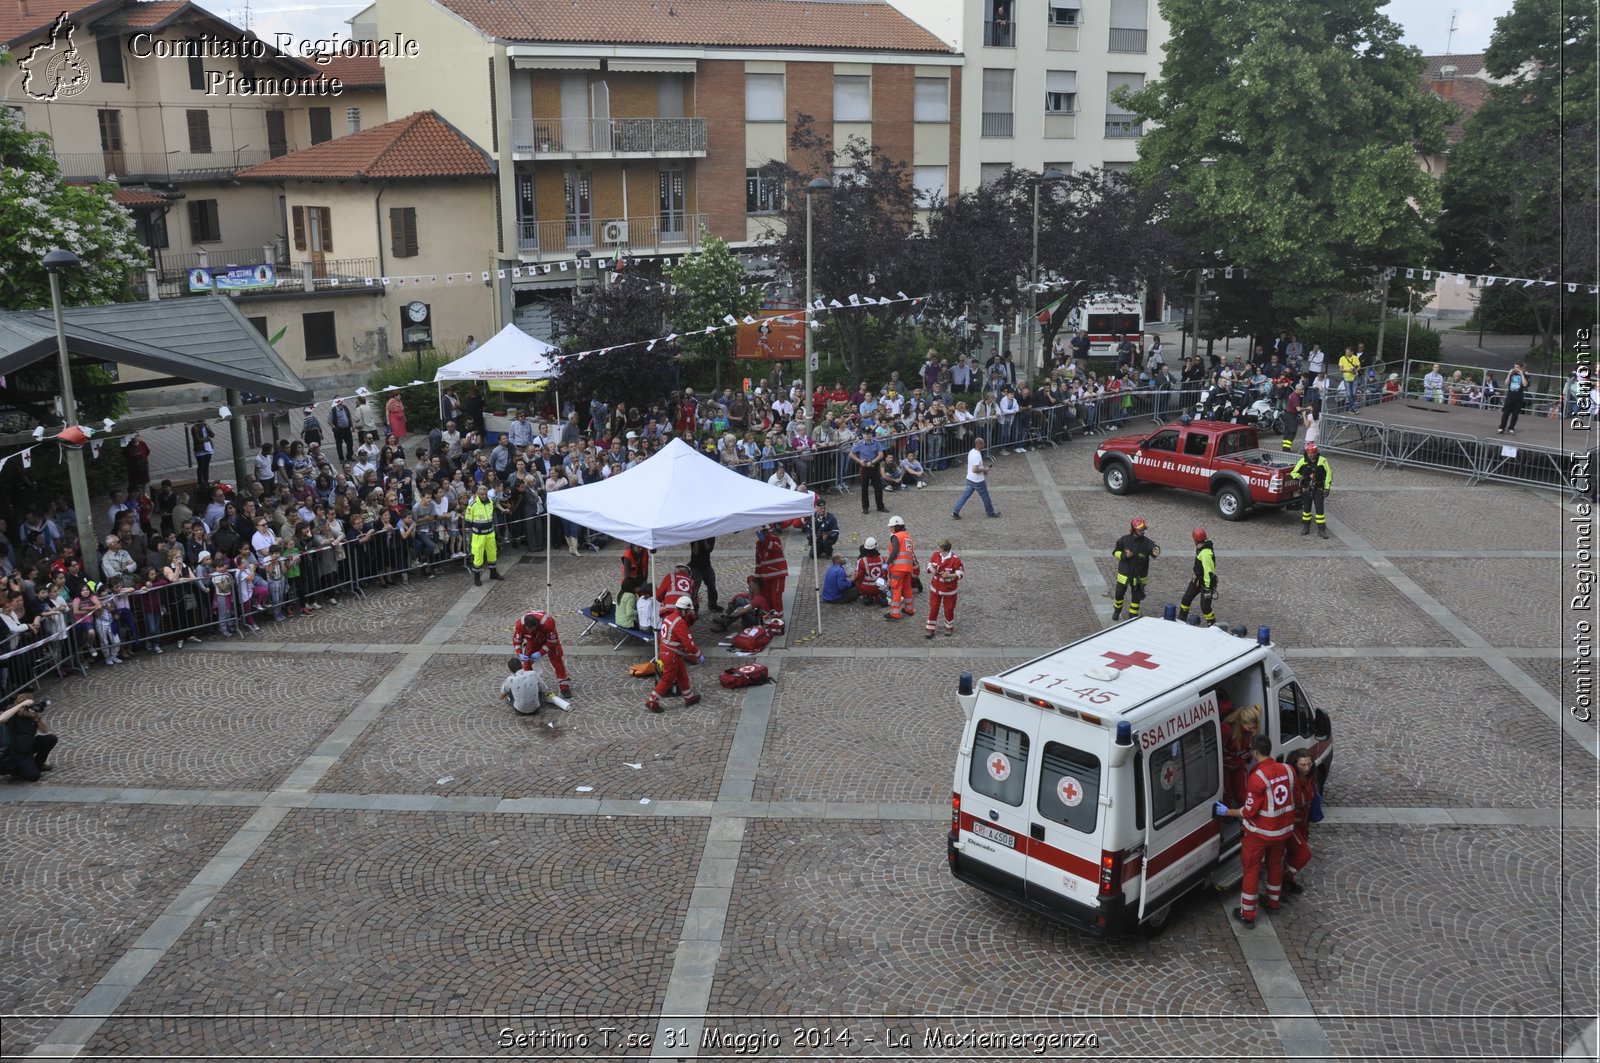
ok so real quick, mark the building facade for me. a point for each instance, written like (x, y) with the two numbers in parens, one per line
(1039, 78)
(623, 131)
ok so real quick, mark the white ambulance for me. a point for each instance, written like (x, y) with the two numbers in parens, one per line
(1085, 781)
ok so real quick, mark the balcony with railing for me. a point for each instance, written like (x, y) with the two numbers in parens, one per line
(1123, 127)
(996, 124)
(1000, 34)
(168, 166)
(639, 235)
(315, 274)
(1127, 40)
(579, 138)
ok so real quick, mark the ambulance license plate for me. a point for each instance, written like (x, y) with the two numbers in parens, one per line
(1005, 838)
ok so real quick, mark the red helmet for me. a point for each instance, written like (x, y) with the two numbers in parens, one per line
(1199, 535)
(1311, 450)
(1138, 524)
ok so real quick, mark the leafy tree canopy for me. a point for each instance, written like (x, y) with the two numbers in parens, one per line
(39, 212)
(1519, 191)
(634, 307)
(1288, 137)
(711, 285)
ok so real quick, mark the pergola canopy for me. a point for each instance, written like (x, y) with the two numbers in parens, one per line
(202, 339)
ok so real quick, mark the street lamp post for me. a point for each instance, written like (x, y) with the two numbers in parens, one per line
(1051, 174)
(54, 263)
(819, 184)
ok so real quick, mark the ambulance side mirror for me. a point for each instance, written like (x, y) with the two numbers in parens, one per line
(1323, 727)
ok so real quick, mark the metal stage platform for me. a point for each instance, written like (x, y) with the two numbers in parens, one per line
(1546, 452)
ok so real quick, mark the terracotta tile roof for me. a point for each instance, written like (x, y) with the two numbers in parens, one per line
(1466, 95)
(152, 16)
(353, 71)
(1466, 66)
(140, 197)
(834, 24)
(23, 18)
(419, 146)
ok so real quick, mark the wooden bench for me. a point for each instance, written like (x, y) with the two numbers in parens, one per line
(609, 620)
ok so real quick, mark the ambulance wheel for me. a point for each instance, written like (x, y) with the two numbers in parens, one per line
(1118, 478)
(1156, 922)
(1230, 503)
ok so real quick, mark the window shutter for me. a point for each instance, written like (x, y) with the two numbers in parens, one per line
(1061, 81)
(997, 91)
(1133, 82)
(852, 98)
(397, 231)
(932, 100)
(299, 228)
(1128, 14)
(327, 230)
(763, 97)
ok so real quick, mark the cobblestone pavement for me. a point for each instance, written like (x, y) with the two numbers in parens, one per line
(332, 841)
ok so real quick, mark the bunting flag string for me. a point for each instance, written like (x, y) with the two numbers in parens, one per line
(1487, 280)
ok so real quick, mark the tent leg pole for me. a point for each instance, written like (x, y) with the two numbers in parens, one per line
(656, 632)
(816, 578)
(549, 519)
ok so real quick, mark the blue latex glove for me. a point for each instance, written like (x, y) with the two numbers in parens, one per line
(1219, 809)
(534, 656)
(701, 659)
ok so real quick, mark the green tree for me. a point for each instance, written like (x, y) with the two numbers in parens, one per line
(1519, 193)
(1288, 138)
(40, 211)
(862, 233)
(616, 318)
(711, 285)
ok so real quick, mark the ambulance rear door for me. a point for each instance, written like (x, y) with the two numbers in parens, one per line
(1181, 765)
(1066, 817)
(994, 800)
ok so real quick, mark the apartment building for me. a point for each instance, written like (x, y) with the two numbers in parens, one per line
(388, 227)
(622, 127)
(171, 101)
(1461, 81)
(1039, 79)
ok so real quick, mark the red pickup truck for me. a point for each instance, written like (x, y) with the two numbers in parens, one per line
(1218, 458)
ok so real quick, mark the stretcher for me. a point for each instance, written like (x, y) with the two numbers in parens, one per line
(609, 620)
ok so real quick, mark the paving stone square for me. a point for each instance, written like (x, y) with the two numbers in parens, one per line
(450, 725)
(838, 736)
(82, 883)
(1449, 734)
(1305, 602)
(1446, 930)
(1507, 605)
(402, 914)
(202, 718)
(800, 867)
(862, 918)
(1003, 601)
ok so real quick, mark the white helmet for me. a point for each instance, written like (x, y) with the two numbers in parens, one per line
(897, 522)
(870, 544)
(683, 602)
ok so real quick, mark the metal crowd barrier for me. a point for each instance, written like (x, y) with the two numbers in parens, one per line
(1480, 460)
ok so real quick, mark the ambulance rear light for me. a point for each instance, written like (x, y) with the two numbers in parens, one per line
(1041, 703)
(1089, 717)
(955, 811)
(1110, 874)
(994, 688)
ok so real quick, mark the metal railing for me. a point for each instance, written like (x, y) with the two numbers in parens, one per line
(156, 165)
(176, 266)
(1480, 460)
(1127, 40)
(666, 137)
(1544, 389)
(641, 234)
(1000, 34)
(996, 124)
(1123, 127)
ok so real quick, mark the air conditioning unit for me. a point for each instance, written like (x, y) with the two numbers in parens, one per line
(614, 232)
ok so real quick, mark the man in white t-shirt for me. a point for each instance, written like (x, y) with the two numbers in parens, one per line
(977, 480)
(525, 691)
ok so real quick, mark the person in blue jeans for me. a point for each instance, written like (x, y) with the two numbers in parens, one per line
(977, 480)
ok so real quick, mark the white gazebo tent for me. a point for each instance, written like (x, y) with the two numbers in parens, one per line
(675, 497)
(509, 354)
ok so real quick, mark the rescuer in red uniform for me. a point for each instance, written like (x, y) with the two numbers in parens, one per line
(1268, 814)
(772, 568)
(680, 583)
(535, 635)
(946, 571)
(871, 574)
(1298, 852)
(677, 648)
